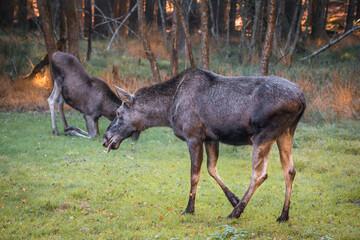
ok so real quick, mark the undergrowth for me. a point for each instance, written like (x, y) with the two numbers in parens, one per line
(331, 81)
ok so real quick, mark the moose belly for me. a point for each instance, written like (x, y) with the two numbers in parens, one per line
(233, 136)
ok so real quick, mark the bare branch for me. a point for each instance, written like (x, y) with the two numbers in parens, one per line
(331, 43)
(121, 24)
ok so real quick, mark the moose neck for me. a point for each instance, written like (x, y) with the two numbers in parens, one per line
(154, 103)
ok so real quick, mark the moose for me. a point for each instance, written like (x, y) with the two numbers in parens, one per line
(89, 95)
(205, 108)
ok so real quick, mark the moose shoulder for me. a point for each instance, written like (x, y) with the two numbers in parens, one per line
(205, 108)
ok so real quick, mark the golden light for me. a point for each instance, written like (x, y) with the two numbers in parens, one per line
(238, 23)
(42, 80)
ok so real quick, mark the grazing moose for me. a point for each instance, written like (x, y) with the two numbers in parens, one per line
(202, 107)
(90, 96)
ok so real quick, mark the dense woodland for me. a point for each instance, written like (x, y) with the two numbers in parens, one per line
(259, 28)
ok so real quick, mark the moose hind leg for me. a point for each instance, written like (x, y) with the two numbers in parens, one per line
(60, 104)
(52, 100)
(212, 152)
(259, 175)
(284, 143)
(196, 156)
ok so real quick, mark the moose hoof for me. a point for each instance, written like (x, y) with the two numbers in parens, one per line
(56, 132)
(187, 212)
(282, 218)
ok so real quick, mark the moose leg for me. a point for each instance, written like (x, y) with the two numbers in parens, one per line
(196, 156)
(54, 96)
(91, 125)
(284, 143)
(259, 175)
(60, 104)
(212, 152)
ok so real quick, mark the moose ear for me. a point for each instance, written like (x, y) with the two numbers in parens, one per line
(124, 96)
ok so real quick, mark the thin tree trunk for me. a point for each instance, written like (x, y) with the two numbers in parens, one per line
(350, 15)
(213, 21)
(307, 24)
(243, 40)
(318, 28)
(254, 32)
(22, 15)
(174, 65)
(264, 63)
(72, 27)
(205, 59)
(62, 24)
(163, 23)
(187, 35)
(228, 31)
(89, 28)
(46, 27)
(297, 34)
(146, 43)
(278, 25)
(292, 27)
(232, 16)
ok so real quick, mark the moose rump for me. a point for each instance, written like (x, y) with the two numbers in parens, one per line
(206, 109)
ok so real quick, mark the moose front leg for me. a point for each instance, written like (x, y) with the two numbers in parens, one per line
(196, 156)
(212, 152)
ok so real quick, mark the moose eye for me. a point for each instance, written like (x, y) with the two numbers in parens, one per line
(118, 115)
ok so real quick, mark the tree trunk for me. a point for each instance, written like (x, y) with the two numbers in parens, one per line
(46, 27)
(133, 19)
(6, 13)
(146, 43)
(174, 65)
(205, 58)
(244, 16)
(297, 33)
(120, 9)
(255, 28)
(278, 25)
(72, 27)
(22, 15)
(350, 15)
(264, 63)
(228, 31)
(163, 19)
(318, 28)
(149, 11)
(62, 23)
(184, 4)
(232, 16)
(358, 9)
(88, 20)
(187, 35)
(307, 23)
(293, 26)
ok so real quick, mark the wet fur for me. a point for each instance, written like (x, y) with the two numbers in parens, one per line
(204, 108)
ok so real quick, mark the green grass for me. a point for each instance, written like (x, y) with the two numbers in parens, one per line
(61, 187)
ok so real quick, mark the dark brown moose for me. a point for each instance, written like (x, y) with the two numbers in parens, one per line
(202, 107)
(90, 96)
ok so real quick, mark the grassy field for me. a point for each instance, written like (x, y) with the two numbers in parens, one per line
(61, 187)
